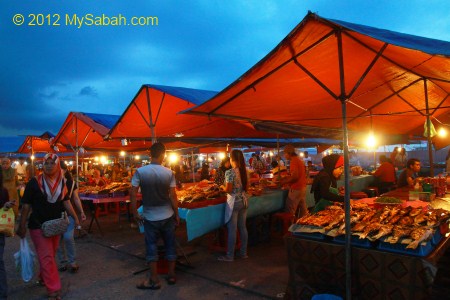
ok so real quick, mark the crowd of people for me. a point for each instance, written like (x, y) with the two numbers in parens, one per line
(54, 191)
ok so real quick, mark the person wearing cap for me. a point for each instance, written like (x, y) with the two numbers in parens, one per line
(297, 183)
(324, 185)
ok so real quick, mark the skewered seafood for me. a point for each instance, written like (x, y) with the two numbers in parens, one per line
(384, 230)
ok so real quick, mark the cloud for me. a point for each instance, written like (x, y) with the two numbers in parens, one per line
(88, 91)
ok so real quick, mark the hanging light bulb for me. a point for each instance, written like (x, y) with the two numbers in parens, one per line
(442, 132)
(371, 140)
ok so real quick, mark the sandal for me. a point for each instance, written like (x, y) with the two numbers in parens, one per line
(152, 285)
(62, 269)
(73, 268)
(171, 280)
(40, 282)
(54, 297)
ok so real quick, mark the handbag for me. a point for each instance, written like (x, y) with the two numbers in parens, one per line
(57, 226)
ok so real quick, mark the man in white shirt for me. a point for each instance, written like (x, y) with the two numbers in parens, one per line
(160, 213)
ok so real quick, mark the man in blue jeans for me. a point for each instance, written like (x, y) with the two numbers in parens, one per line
(160, 213)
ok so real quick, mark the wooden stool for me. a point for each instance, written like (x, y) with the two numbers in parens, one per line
(285, 218)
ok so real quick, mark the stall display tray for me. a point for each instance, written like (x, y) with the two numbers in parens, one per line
(308, 232)
(355, 241)
(422, 250)
(203, 203)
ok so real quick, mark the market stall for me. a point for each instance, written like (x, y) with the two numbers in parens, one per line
(200, 221)
(396, 245)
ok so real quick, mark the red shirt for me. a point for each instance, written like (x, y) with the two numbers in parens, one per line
(299, 165)
(385, 172)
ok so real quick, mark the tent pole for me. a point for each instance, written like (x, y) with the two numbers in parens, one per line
(152, 126)
(192, 166)
(76, 151)
(429, 144)
(342, 98)
(32, 158)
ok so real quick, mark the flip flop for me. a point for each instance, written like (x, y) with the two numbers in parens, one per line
(152, 286)
(171, 280)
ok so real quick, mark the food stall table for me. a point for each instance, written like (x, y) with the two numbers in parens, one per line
(200, 221)
(317, 265)
(94, 202)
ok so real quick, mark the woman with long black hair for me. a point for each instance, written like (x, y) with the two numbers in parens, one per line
(236, 184)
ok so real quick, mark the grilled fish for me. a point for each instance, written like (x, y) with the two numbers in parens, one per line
(369, 229)
(399, 232)
(418, 235)
(384, 230)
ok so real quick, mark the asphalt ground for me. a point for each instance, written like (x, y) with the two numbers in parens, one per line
(108, 264)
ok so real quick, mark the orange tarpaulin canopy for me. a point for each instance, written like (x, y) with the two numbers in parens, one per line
(156, 108)
(42, 143)
(88, 130)
(389, 81)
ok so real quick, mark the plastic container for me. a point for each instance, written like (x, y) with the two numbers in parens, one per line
(355, 241)
(326, 297)
(401, 248)
(311, 236)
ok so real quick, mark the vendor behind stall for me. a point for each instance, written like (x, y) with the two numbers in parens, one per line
(409, 177)
(324, 185)
(385, 175)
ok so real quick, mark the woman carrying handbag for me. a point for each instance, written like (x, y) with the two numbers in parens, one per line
(46, 197)
(236, 183)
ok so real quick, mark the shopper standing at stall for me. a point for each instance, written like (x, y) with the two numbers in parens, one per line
(236, 184)
(160, 214)
(296, 200)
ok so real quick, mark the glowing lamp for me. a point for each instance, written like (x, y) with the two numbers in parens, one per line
(371, 141)
(122, 153)
(221, 155)
(173, 158)
(442, 132)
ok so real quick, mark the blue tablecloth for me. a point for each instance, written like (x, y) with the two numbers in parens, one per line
(200, 221)
(357, 184)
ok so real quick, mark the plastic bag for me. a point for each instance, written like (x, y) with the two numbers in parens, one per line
(7, 221)
(25, 260)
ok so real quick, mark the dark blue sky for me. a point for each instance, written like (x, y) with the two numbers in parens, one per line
(48, 71)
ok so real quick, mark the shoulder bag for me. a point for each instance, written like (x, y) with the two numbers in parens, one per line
(57, 226)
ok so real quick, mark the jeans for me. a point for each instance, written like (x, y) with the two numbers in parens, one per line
(3, 282)
(66, 250)
(237, 221)
(153, 230)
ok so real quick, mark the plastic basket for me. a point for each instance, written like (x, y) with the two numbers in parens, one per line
(355, 241)
(421, 250)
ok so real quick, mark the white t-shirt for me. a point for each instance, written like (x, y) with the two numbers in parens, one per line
(155, 182)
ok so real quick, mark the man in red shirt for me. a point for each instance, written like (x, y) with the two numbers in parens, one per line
(385, 175)
(297, 183)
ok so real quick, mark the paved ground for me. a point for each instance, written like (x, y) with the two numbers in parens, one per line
(107, 264)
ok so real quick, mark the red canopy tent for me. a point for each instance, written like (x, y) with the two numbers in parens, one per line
(43, 143)
(152, 114)
(333, 74)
